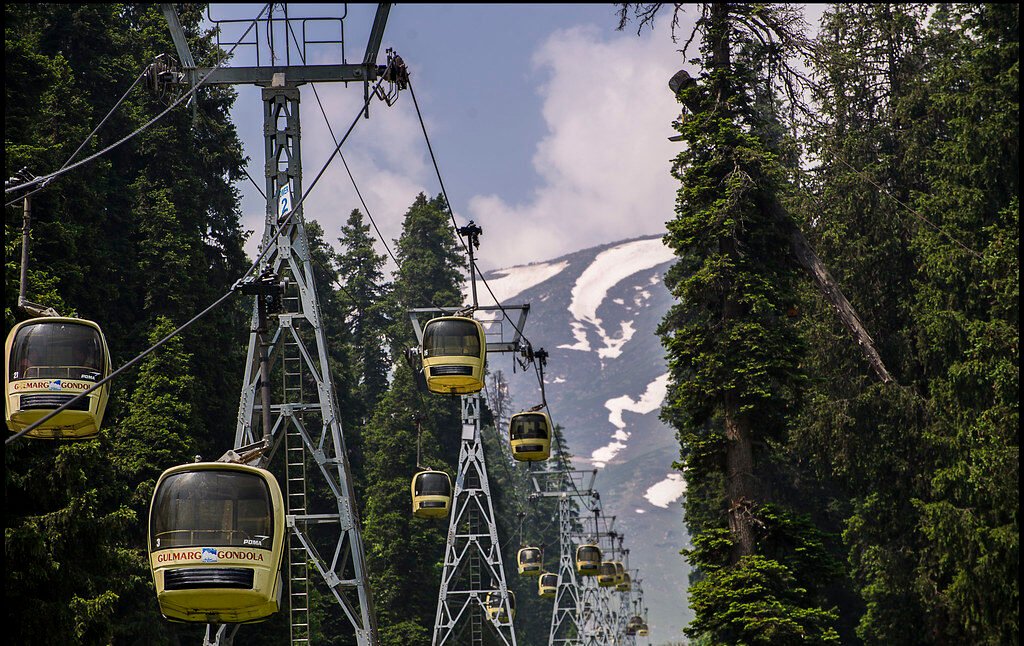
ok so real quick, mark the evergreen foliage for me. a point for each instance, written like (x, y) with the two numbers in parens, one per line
(137, 240)
(403, 551)
(824, 507)
(912, 202)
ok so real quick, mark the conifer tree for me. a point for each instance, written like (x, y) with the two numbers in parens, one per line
(966, 311)
(149, 229)
(365, 296)
(855, 437)
(734, 357)
(405, 554)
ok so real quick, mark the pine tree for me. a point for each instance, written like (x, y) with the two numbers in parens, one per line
(856, 438)
(149, 229)
(967, 315)
(360, 269)
(404, 553)
(734, 357)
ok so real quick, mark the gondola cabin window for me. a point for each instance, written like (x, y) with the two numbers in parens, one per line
(436, 483)
(451, 338)
(56, 351)
(200, 508)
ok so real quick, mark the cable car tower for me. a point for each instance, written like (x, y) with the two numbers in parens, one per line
(473, 566)
(597, 627)
(567, 486)
(288, 396)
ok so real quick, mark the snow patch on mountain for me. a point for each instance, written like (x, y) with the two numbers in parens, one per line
(613, 346)
(507, 283)
(649, 401)
(667, 491)
(602, 456)
(608, 269)
(579, 332)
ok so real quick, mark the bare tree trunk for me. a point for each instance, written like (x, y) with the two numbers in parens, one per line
(739, 480)
(830, 290)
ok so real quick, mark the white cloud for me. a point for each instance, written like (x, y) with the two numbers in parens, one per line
(603, 163)
(605, 159)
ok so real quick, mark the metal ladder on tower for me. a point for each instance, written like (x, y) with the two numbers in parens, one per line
(476, 620)
(285, 253)
(295, 475)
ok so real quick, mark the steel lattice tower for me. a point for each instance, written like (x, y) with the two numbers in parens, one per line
(472, 549)
(472, 562)
(565, 627)
(296, 410)
(566, 614)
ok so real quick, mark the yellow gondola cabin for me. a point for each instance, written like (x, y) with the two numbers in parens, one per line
(626, 584)
(634, 624)
(606, 577)
(547, 585)
(49, 361)
(454, 352)
(529, 435)
(216, 540)
(431, 494)
(496, 609)
(588, 560)
(530, 560)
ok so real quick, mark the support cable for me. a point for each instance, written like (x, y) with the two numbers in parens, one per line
(235, 287)
(91, 134)
(44, 179)
(451, 214)
(343, 161)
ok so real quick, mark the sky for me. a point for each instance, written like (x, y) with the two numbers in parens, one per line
(550, 128)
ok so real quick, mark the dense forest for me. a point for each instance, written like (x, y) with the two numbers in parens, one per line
(836, 497)
(826, 504)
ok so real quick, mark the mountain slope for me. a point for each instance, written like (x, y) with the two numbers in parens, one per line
(596, 311)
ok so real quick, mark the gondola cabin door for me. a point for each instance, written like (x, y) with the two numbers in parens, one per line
(454, 352)
(48, 361)
(216, 542)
